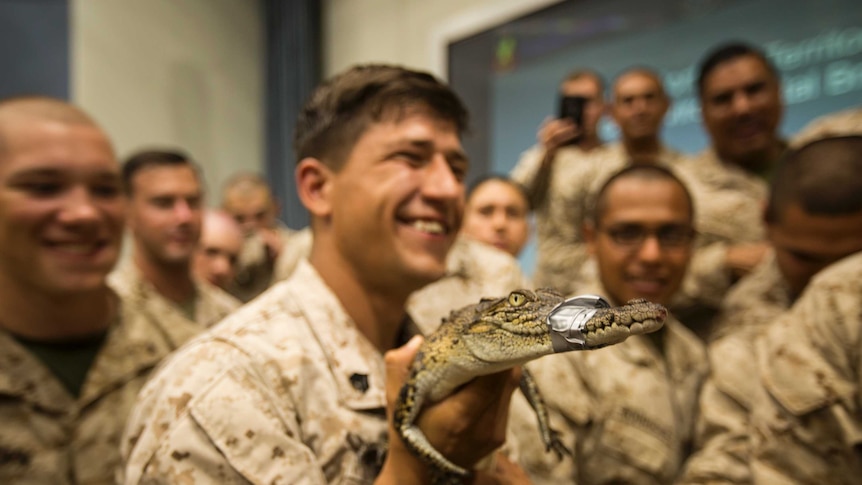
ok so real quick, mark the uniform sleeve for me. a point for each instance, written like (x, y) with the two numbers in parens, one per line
(722, 429)
(235, 430)
(527, 169)
(707, 279)
(806, 416)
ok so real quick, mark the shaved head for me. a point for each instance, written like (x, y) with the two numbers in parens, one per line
(824, 177)
(640, 72)
(249, 200)
(245, 185)
(38, 108)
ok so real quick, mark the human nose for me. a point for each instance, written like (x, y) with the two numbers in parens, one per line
(183, 210)
(498, 220)
(221, 266)
(741, 103)
(79, 207)
(440, 181)
(650, 248)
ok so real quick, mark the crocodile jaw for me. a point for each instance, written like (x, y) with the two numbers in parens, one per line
(588, 322)
(613, 325)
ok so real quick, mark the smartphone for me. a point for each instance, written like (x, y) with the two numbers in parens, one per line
(572, 107)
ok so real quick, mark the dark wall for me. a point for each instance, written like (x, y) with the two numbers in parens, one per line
(34, 47)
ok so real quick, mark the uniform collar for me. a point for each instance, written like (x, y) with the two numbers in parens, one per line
(357, 366)
(136, 342)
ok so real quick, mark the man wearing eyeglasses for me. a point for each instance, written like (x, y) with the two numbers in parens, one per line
(627, 411)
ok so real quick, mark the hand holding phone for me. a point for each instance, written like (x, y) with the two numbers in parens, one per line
(572, 108)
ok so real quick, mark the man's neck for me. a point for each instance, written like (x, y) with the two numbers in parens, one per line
(32, 314)
(643, 150)
(172, 281)
(760, 163)
(379, 315)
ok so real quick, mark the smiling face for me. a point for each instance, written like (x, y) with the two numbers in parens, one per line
(639, 105)
(396, 204)
(651, 269)
(165, 213)
(61, 207)
(741, 108)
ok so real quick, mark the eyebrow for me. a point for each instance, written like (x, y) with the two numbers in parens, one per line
(56, 172)
(428, 145)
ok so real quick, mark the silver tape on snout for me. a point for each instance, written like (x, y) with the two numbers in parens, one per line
(568, 320)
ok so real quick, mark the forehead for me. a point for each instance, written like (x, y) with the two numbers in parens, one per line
(583, 86)
(165, 179)
(34, 144)
(635, 82)
(735, 73)
(496, 192)
(253, 199)
(221, 232)
(797, 222)
(637, 200)
(416, 126)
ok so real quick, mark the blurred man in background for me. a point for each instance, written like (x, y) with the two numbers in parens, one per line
(217, 256)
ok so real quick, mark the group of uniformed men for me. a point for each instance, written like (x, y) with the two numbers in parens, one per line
(755, 246)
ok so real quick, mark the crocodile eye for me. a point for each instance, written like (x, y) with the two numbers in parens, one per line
(517, 299)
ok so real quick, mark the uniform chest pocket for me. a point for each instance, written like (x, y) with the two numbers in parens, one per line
(636, 439)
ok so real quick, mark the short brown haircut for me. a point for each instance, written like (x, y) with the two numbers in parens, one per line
(823, 177)
(154, 158)
(578, 74)
(342, 108)
(638, 172)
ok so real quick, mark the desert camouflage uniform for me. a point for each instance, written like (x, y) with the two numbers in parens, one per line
(285, 391)
(807, 413)
(722, 432)
(474, 270)
(627, 411)
(48, 436)
(729, 205)
(297, 248)
(211, 303)
(847, 122)
(256, 267)
(575, 177)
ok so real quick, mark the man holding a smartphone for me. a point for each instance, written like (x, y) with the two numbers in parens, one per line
(552, 170)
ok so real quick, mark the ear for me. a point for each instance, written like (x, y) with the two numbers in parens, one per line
(589, 231)
(314, 186)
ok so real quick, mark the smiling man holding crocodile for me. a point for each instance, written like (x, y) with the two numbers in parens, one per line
(294, 388)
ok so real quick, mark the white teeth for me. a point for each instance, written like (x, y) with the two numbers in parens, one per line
(76, 248)
(431, 227)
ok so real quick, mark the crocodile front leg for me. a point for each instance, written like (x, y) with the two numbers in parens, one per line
(550, 436)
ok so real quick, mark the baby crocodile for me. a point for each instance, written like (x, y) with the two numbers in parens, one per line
(498, 334)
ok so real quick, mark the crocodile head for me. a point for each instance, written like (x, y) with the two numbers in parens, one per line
(527, 324)
(512, 329)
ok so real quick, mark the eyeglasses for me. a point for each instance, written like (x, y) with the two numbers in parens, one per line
(632, 236)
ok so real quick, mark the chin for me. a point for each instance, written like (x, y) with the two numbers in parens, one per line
(427, 274)
(78, 286)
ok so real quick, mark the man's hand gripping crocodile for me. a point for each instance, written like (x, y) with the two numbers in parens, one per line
(495, 335)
